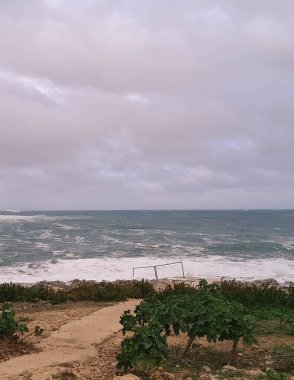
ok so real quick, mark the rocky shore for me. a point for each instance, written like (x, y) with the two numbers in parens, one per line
(164, 282)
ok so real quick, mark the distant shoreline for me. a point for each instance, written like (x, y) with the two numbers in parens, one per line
(161, 282)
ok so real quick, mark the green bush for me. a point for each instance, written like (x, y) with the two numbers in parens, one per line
(203, 312)
(145, 349)
(274, 375)
(11, 328)
(84, 291)
(251, 295)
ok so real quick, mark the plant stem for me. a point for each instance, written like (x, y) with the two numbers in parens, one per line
(188, 345)
(234, 348)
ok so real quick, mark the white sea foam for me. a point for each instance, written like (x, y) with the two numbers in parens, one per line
(43, 246)
(47, 234)
(121, 268)
(27, 218)
(289, 246)
(59, 253)
(15, 218)
(66, 227)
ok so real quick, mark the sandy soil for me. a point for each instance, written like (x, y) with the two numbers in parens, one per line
(72, 333)
(81, 341)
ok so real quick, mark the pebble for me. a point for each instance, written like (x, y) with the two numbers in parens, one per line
(127, 377)
(206, 369)
(229, 368)
(255, 372)
(168, 376)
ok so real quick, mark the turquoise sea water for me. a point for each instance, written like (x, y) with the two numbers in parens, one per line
(107, 244)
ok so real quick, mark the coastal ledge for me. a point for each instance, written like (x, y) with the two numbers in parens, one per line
(194, 282)
(162, 283)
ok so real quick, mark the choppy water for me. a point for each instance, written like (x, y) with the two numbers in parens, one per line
(100, 245)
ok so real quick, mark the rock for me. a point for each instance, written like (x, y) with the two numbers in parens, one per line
(168, 376)
(127, 377)
(240, 355)
(205, 373)
(205, 376)
(41, 376)
(266, 282)
(69, 374)
(46, 373)
(255, 372)
(229, 368)
(205, 369)
(268, 362)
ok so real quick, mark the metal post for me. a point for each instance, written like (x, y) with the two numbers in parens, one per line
(183, 269)
(155, 271)
(160, 265)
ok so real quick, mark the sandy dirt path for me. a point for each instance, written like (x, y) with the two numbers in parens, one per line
(73, 341)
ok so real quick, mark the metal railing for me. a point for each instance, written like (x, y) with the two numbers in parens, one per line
(160, 265)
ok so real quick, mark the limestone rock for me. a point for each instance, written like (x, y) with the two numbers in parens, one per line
(127, 377)
(46, 373)
(266, 282)
(268, 362)
(207, 376)
(41, 376)
(69, 374)
(229, 368)
(168, 376)
(255, 372)
(205, 369)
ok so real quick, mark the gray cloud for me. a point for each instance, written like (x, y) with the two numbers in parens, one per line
(150, 104)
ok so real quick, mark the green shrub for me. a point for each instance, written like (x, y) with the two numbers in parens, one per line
(145, 349)
(251, 295)
(10, 327)
(203, 312)
(85, 291)
(274, 375)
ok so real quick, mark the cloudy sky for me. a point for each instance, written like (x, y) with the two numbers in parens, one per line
(150, 104)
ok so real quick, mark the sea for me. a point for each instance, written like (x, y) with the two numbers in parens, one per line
(107, 245)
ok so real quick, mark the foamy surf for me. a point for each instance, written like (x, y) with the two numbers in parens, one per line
(64, 245)
(122, 268)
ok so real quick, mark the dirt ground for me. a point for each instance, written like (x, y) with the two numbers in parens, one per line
(49, 317)
(102, 364)
(69, 342)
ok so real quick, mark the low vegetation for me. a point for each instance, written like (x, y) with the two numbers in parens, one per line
(182, 329)
(260, 296)
(82, 291)
(11, 328)
(227, 312)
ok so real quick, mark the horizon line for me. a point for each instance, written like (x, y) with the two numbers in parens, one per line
(151, 209)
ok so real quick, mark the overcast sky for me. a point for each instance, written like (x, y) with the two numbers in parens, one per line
(146, 104)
